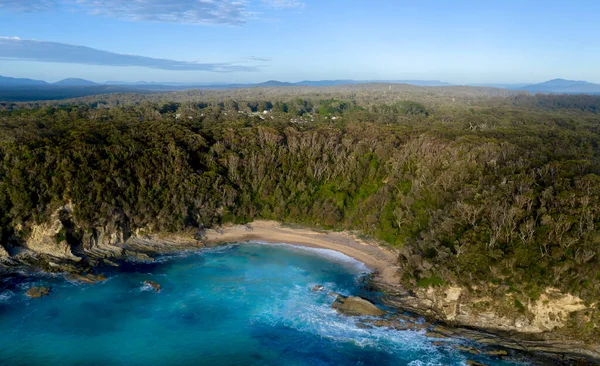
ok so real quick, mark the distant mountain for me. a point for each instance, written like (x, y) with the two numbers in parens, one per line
(502, 86)
(12, 82)
(351, 82)
(74, 82)
(421, 82)
(564, 86)
(272, 83)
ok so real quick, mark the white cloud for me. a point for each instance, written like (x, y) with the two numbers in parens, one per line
(231, 12)
(283, 4)
(28, 5)
(225, 12)
(14, 48)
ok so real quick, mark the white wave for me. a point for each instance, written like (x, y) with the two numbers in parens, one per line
(310, 312)
(6, 295)
(146, 287)
(330, 254)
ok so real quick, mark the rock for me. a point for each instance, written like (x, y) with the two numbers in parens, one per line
(390, 323)
(334, 294)
(434, 334)
(497, 353)
(471, 350)
(317, 288)
(50, 237)
(153, 284)
(439, 343)
(140, 257)
(553, 308)
(108, 262)
(3, 252)
(88, 278)
(475, 363)
(363, 326)
(356, 306)
(37, 292)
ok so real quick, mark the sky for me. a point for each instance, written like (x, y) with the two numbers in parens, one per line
(247, 41)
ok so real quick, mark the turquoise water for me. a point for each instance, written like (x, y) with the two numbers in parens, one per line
(248, 304)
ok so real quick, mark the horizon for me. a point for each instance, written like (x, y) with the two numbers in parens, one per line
(184, 83)
(247, 42)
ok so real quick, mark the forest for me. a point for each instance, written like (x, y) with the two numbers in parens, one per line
(471, 188)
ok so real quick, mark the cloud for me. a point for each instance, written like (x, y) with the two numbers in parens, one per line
(30, 50)
(283, 4)
(255, 58)
(231, 12)
(224, 12)
(28, 5)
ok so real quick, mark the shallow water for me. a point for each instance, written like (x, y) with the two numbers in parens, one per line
(236, 305)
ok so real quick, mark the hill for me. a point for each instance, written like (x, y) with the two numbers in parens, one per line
(563, 86)
(6, 81)
(74, 82)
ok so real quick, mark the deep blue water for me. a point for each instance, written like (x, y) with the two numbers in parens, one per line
(246, 304)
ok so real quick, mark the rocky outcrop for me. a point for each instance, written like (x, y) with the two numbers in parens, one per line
(59, 244)
(356, 306)
(50, 237)
(153, 284)
(498, 321)
(552, 309)
(37, 292)
(86, 278)
(455, 304)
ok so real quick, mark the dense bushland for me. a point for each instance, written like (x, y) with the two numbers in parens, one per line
(471, 194)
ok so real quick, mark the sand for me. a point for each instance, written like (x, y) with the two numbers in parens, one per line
(382, 260)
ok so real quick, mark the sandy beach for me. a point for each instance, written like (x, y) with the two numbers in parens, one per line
(378, 258)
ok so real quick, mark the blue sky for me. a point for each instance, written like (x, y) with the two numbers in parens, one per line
(456, 41)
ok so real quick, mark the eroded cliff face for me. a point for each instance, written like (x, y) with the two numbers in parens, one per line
(455, 304)
(542, 325)
(3, 252)
(60, 242)
(50, 238)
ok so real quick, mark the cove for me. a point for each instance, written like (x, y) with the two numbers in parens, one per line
(240, 304)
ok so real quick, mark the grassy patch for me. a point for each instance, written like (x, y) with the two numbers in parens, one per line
(430, 282)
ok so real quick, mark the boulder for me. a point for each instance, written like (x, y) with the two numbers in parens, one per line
(363, 326)
(389, 323)
(356, 306)
(37, 292)
(3, 252)
(317, 288)
(87, 278)
(475, 363)
(153, 284)
(138, 256)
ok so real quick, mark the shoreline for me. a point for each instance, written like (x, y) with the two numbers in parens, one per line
(382, 261)
(379, 259)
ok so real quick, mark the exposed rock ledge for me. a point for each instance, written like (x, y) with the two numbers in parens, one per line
(535, 329)
(3, 252)
(60, 246)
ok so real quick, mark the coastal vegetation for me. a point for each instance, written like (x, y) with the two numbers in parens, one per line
(476, 190)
